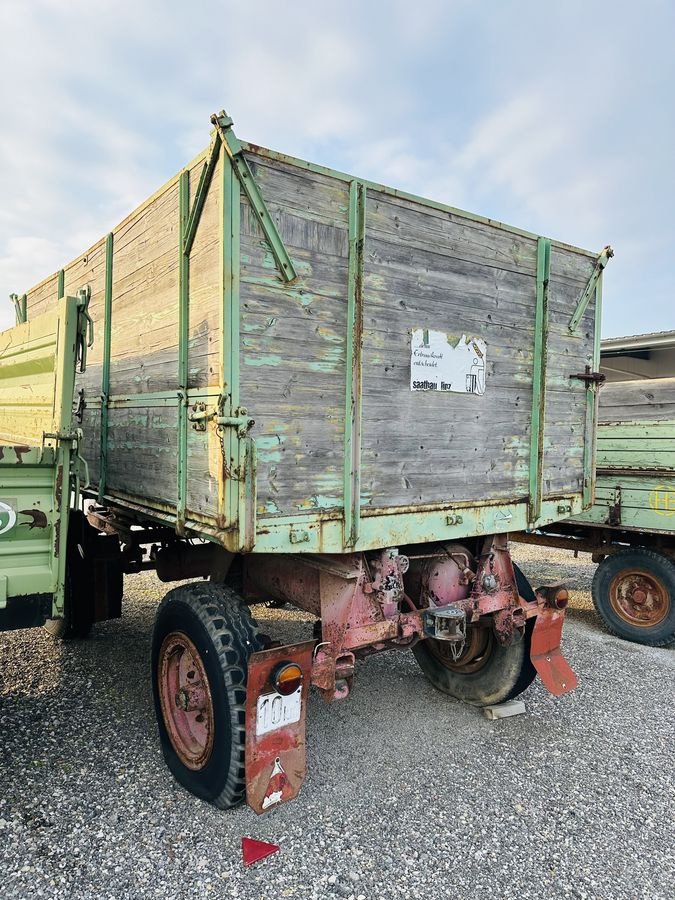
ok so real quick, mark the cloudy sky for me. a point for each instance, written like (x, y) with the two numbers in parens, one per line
(558, 118)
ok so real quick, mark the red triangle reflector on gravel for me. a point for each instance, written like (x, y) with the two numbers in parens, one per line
(253, 851)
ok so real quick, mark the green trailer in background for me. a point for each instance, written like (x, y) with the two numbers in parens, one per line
(630, 529)
(40, 475)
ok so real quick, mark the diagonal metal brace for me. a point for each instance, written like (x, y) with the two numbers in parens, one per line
(223, 125)
(205, 177)
(587, 292)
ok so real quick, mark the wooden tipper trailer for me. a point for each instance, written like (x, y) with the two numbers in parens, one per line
(350, 395)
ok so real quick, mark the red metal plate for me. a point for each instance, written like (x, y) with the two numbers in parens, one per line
(551, 665)
(276, 761)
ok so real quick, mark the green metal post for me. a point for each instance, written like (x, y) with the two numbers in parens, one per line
(352, 440)
(20, 310)
(105, 368)
(183, 337)
(590, 444)
(60, 284)
(539, 381)
(230, 349)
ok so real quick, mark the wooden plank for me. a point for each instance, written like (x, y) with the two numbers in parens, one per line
(142, 452)
(292, 367)
(634, 401)
(205, 292)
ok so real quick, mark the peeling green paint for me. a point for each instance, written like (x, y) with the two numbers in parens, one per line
(267, 359)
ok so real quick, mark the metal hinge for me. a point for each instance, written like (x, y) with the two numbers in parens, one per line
(199, 415)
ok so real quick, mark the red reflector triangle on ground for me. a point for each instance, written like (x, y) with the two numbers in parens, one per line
(253, 851)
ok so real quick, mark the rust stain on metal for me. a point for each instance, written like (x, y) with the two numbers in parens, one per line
(276, 761)
(38, 517)
(20, 449)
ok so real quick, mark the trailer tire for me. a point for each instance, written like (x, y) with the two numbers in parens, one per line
(208, 630)
(505, 673)
(634, 594)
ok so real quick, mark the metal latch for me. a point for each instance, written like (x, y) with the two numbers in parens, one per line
(240, 420)
(199, 416)
(85, 327)
(590, 377)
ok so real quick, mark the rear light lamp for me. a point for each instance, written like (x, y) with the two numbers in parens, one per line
(561, 599)
(287, 678)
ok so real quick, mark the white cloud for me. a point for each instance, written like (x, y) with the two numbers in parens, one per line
(557, 127)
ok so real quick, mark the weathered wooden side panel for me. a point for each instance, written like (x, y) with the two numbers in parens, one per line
(428, 269)
(292, 367)
(43, 296)
(565, 426)
(142, 452)
(650, 400)
(205, 364)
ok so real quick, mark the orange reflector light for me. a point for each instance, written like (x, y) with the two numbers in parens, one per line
(287, 678)
(561, 599)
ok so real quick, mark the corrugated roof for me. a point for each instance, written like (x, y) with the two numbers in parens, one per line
(662, 339)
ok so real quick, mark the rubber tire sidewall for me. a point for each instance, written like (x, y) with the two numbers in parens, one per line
(625, 561)
(506, 674)
(211, 782)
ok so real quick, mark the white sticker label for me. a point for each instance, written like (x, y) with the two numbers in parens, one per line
(7, 517)
(274, 711)
(445, 362)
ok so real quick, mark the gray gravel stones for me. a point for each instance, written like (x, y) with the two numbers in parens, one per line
(409, 794)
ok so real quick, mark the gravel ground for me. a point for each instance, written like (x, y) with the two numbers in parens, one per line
(426, 799)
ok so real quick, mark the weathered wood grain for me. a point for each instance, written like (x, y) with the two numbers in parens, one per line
(638, 401)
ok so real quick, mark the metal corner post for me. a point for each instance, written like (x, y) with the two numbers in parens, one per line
(183, 337)
(539, 381)
(60, 284)
(592, 398)
(105, 369)
(352, 436)
(230, 224)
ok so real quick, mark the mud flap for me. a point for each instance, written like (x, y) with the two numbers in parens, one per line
(276, 762)
(551, 665)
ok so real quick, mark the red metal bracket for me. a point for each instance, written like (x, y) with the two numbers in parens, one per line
(276, 762)
(551, 665)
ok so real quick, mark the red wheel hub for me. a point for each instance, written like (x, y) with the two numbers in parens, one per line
(185, 698)
(639, 597)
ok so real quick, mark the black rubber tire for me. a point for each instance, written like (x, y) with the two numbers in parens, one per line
(505, 675)
(78, 617)
(662, 568)
(221, 627)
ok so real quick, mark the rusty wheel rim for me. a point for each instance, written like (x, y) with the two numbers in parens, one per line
(185, 699)
(639, 597)
(476, 653)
